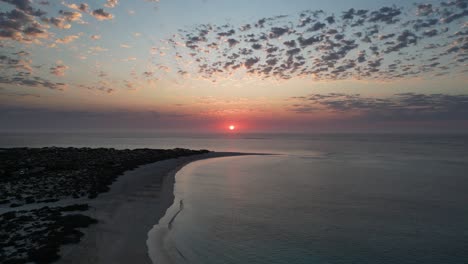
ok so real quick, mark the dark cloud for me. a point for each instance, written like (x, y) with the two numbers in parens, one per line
(83, 7)
(232, 42)
(26, 7)
(227, 34)
(19, 64)
(100, 14)
(23, 95)
(257, 46)
(35, 81)
(99, 87)
(58, 22)
(457, 3)
(70, 15)
(304, 42)
(290, 43)
(250, 62)
(17, 70)
(277, 32)
(59, 70)
(330, 19)
(454, 16)
(316, 26)
(27, 24)
(399, 107)
(403, 40)
(425, 9)
(430, 33)
(388, 15)
(21, 26)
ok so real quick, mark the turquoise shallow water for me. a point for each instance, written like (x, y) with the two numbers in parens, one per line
(325, 199)
(394, 204)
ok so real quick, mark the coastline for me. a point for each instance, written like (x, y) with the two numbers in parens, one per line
(125, 214)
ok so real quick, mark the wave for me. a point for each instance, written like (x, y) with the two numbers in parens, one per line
(181, 207)
(161, 246)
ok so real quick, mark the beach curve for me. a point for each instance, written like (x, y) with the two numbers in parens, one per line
(134, 204)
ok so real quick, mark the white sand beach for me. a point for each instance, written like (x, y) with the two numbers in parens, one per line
(135, 203)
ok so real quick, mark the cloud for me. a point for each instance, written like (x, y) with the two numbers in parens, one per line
(21, 25)
(403, 106)
(70, 15)
(26, 7)
(111, 3)
(454, 16)
(22, 95)
(58, 22)
(277, 32)
(67, 39)
(384, 44)
(100, 14)
(84, 7)
(232, 42)
(21, 65)
(101, 87)
(95, 37)
(28, 81)
(388, 15)
(129, 59)
(97, 49)
(59, 70)
(425, 10)
(35, 31)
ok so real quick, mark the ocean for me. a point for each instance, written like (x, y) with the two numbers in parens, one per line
(321, 198)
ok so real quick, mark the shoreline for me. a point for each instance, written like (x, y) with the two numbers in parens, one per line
(135, 203)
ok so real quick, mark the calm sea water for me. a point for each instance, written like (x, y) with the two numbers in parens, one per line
(324, 199)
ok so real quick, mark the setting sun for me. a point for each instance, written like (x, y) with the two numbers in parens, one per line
(232, 127)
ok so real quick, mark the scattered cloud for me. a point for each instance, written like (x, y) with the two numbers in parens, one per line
(59, 70)
(22, 24)
(28, 81)
(19, 64)
(100, 87)
(356, 44)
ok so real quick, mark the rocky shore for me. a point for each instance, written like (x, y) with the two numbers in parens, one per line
(33, 182)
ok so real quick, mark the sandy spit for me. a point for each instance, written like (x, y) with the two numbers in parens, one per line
(135, 203)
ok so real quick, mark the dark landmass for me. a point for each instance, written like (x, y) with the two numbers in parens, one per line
(31, 178)
(36, 235)
(42, 175)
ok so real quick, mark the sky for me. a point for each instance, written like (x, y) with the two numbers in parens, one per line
(202, 65)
